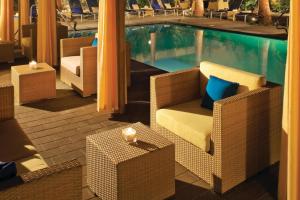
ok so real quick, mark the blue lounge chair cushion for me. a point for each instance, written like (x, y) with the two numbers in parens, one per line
(156, 6)
(7, 170)
(95, 42)
(77, 10)
(218, 89)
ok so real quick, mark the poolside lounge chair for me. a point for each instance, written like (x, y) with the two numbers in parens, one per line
(134, 8)
(160, 9)
(94, 7)
(35, 178)
(168, 5)
(190, 11)
(183, 4)
(79, 65)
(33, 13)
(217, 5)
(66, 18)
(231, 13)
(226, 145)
(76, 9)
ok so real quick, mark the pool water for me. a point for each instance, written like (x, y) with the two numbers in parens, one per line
(176, 47)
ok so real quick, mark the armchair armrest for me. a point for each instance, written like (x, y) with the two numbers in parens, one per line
(173, 88)
(71, 46)
(6, 101)
(246, 135)
(62, 181)
(88, 67)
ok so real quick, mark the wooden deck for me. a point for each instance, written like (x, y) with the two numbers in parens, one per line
(58, 128)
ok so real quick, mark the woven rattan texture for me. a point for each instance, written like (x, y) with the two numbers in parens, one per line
(59, 182)
(6, 101)
(33, 85)
(118, 170)
(246, 130)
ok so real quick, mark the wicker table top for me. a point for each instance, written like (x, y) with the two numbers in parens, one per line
(112, 144)
(25, 69)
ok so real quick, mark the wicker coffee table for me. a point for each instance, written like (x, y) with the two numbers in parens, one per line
(119, 170)
(33, 84)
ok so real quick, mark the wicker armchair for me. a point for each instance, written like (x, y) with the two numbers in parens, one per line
(7, 51)
(84, 78)
(245, 135)
(61, 182)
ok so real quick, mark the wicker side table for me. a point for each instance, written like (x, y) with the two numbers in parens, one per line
(33, 84)
(118, 170)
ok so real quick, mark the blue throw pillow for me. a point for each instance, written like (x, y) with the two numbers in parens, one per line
(7, 170)
(95, 42)
(218, 89)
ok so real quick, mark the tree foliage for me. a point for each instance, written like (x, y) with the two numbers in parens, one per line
(276, 6)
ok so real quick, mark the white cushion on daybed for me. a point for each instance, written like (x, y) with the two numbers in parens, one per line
(72, 63)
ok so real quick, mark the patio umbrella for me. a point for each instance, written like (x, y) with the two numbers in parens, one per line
(46, 32)
(7, 20)
(289, 181)
(112, 85)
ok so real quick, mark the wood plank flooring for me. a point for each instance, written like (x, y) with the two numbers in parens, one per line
(58, 128)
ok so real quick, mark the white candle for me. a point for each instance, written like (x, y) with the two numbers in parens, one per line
(129, 134)
(33, 65)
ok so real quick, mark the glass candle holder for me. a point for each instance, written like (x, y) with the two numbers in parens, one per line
(129, 135)
(33, 65)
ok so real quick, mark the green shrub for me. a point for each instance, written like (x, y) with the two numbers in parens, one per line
(276, 6)
(280, 6)
(249, 5)
(143, 3)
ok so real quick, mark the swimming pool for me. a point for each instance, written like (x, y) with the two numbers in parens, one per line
(176, 47)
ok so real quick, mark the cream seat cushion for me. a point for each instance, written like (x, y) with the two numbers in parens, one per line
(72, 63)
(248, 81)
(189, 121)
(168, 5)
(135, 7)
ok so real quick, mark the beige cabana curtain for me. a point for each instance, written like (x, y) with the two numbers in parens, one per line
(46, 32)
(111, 56)
(289, 184)
(24, 12)
(7, 20)
(59, 4)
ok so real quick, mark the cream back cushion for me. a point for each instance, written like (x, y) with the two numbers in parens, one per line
(168, 6)
(135, 7)
(248, 81)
